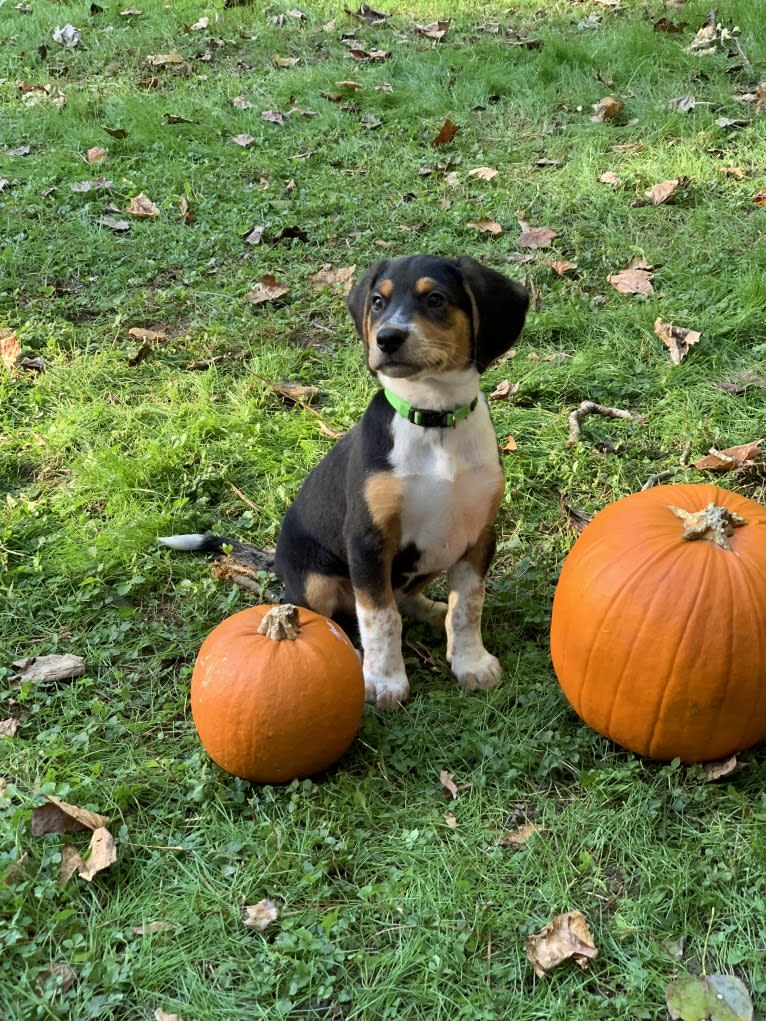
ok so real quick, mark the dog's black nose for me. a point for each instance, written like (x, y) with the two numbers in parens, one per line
(390, 338)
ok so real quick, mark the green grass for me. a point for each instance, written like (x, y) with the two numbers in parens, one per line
(386, 910)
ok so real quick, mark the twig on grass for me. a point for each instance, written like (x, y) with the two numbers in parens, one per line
(591, 408)
(668, 473)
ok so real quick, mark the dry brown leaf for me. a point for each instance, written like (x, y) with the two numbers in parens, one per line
(96, 154)
(677, 339)
(61, 817)
(112, 223)
(47, 669)
(504, 390)
(10, 349)
(636, 278)
(483, 173)
(484, 226)
(267, 289)
(519, 836)
(683, 104)
(448, 784)
(9, 727)
(103, 853)
(661, 192)
(162, 1015)
(285, 61)
(446, 133)
(163, 59)
(745, 455)
(736, 172)
(149, 928)
(333, 277)
(609, 177)
(187, 213)
(260, 916)
(15, 872)
(436, 30)
(718, 770)
(536, 237)
(562, 266)
(296, 393)
(760, 197)
(70, 863)
(451, 820)
(142, 207)
(566, 937)
(510, 446)
(244, 141)
(606, 109)
(63, 975)
(352, 86)
(141, 334)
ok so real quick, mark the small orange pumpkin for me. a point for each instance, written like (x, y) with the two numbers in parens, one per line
(276, 693)
(658, 632)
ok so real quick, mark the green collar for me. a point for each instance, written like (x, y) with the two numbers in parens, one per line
(430, 419)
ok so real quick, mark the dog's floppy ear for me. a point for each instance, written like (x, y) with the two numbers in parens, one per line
(499, 309)
(357, 296)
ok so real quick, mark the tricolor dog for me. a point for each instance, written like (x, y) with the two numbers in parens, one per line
(413, 489)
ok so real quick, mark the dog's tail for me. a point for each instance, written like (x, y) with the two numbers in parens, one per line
(245, 555)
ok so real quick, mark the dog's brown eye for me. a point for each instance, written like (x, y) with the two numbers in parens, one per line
(377, 301)
(436, 300)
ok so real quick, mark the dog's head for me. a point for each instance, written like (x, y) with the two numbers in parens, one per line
(428, 315)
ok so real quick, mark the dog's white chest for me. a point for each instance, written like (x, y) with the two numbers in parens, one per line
(450, 480)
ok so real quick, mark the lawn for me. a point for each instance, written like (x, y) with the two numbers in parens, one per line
(163, 174)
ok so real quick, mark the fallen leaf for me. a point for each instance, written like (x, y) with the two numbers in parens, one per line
(10, 349)
(448, 784)
(142, 207)
(103, 853)
(350, 85)
(510, 446)
(272, 117)
(141, 334)
(606, 109)
(683, 104)
(162, 1015)
(354, 53)
(451, 820)
(504, 390)
(705, 41)
(9, 727)
(484, 226)
(163, 59)
(714, 997)
(261, 915)
(285, 61)
(668, 26)
(62, 974)
(61, 817)
(111, 223)
(21, 150)
(68, 36)
(566, 937)
(745, 455)
(562, 266)
(333, 277)
(244, 140)
(267, 289)
(483, 173)
(609, 177)
(131, 12)
(760, 197)
(717, 770)
(187, 213)
(200, 26)
(536, 237)
(446, 133)
(736, 172)
(677, 339)
(576, 519)
(47, 669)
(635, 279)
(436, 30)
(98, 184)
(661, 192)
(367, 14)
(519, 836)
(296, 393)
(96, 154)
(174, 118)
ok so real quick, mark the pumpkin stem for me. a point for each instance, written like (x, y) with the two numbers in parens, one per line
(714, 523)
(280, 622)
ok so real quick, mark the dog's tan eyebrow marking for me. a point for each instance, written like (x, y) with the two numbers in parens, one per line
(386, 288)
(424, 286)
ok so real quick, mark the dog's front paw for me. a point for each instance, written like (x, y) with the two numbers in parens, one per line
(386, 693)
(483, 671)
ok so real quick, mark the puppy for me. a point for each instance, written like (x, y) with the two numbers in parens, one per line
(413, 489)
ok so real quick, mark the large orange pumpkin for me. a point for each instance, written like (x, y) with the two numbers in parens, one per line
(276, 693)
(658, 633)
